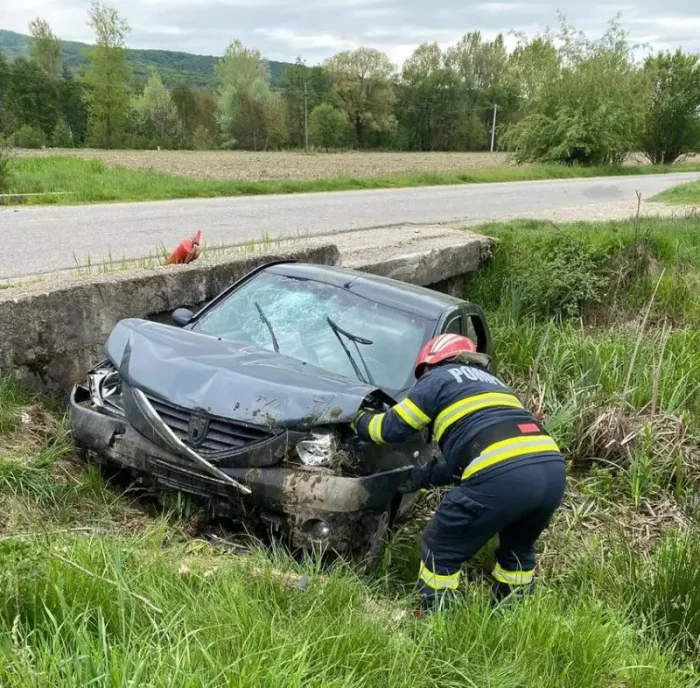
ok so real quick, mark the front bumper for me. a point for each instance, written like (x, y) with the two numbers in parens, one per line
(306, 505)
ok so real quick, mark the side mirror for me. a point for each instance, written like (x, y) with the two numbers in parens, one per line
(182, 316)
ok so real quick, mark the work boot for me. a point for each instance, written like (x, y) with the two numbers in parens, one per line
(437, 601)
(500, 592)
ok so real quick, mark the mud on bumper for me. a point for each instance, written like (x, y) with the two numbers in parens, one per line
(307, 506)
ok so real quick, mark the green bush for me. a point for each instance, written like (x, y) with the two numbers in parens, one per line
(61, 135)
(544, 273)
(28, 136)
(329, 128)
(603, 271)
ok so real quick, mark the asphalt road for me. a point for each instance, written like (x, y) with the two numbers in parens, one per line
(51, 238)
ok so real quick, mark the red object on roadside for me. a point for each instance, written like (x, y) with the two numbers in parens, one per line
(187, 250)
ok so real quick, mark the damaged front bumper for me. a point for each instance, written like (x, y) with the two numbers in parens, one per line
(307, 505)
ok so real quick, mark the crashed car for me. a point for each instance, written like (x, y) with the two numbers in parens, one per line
(248, 403)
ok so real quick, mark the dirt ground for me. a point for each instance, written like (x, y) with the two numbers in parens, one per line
(255, 166)
(252, 166)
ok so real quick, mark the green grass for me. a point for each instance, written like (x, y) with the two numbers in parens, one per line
(578, 294)
(684, 194)
(126, 613)
(92, 181)
(98, 592)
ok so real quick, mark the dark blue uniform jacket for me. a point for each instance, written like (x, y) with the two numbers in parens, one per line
(477, 421)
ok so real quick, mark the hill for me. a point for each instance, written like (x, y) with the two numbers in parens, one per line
(174, 67)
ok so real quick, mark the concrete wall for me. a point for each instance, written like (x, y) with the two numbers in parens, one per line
(50, 334)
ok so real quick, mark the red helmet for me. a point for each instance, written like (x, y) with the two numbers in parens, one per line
(441, 349)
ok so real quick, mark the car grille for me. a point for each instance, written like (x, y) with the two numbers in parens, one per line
(221, 435)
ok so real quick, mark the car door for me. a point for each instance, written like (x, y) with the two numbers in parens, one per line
(467, 320)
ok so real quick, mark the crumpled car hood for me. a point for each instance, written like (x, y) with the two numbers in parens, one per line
(230, 379)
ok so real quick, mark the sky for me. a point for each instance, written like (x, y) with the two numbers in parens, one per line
(315, 29)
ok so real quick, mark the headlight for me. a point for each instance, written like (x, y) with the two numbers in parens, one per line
(318, 449)
(106, 388)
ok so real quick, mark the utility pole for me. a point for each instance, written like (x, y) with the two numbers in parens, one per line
(306, 119)
(493, 126)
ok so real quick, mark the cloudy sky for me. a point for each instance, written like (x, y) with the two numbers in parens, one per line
(315, 29)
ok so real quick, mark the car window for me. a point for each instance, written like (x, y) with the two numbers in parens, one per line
(471, 330)
(297, 310)
(454, 326)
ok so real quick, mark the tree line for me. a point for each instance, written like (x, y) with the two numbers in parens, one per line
(557, 97)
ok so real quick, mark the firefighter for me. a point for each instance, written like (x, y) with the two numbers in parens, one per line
(509, 473)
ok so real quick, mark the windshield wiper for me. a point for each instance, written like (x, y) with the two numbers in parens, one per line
(355, 339)
(264, 318)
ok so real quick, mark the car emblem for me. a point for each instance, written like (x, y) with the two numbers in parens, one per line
(197, 430)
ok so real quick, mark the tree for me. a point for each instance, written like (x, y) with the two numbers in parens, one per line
(480, 64)
(33, 97)
(206, 123)
(533, 65)
(185, 102)
(72, 107)
(7, 123)
(362, 81)
(430, 102)
(590, 110)
(249, 113)
(482, 68)
(243, 74)
(303, 89)
(672, 107)
(156, 116)
(45, 47)
(106, 80)
(329, 127)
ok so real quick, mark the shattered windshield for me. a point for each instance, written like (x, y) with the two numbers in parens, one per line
(323, 325)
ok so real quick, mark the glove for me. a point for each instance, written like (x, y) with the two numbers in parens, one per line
(355, 420)
(411, 483)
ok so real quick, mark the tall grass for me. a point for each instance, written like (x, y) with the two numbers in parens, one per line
(92, 181)
(226, 621)
(610, 383)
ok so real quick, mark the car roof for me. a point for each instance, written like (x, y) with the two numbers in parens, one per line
(421, 301)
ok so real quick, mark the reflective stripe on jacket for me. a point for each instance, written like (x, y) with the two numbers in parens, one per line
(460, 402)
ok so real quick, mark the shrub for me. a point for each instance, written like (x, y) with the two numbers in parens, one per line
(28, 136)
(329, 127)
(61, 135)
(544, 273)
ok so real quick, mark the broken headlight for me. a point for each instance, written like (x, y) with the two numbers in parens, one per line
(105, 386)
(319, 448)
